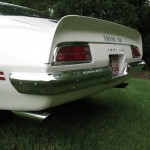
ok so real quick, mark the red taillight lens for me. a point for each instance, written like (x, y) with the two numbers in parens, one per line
(135, 52)
(73, 53)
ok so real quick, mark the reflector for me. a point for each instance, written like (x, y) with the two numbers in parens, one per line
(2, 76)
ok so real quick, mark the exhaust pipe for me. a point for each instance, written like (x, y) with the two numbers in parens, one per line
(39, 116)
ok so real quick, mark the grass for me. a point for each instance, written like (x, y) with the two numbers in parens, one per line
(116, 119)
(144, 75)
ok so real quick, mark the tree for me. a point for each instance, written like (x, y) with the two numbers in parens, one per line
(145, 24)
(138, 3)
(36, 4)
(118, 11)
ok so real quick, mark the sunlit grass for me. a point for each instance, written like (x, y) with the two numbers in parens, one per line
(116, 119)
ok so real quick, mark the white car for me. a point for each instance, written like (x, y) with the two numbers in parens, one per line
(46, 63)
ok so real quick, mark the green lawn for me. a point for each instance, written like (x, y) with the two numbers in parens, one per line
(116, 119)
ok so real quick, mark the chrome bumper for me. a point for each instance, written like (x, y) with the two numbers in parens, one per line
(61, 82)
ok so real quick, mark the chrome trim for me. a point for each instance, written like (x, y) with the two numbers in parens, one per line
(70, 62)
(62, 82)
(39, 116)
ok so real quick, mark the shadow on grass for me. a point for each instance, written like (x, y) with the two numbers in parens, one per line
(100, 121)
(79, 112)
(5, 116)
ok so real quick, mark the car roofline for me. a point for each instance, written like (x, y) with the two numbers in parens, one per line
(9, 4)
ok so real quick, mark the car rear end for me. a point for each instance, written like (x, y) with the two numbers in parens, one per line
(46, 63)
(83, 56)
(85, 53)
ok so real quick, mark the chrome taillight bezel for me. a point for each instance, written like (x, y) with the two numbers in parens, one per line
(55, 62)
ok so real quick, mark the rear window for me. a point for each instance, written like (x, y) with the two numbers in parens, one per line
(14, 10)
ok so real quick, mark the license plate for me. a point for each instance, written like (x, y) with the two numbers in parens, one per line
(114, 64)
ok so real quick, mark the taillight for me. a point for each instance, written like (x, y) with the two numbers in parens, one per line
(135, 52)
(73, 54)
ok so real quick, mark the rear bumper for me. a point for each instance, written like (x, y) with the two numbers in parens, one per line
(62, 82)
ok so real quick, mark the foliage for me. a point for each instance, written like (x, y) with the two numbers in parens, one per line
(145, 30)
(138, 3)
(145, 24)
(112, 10)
